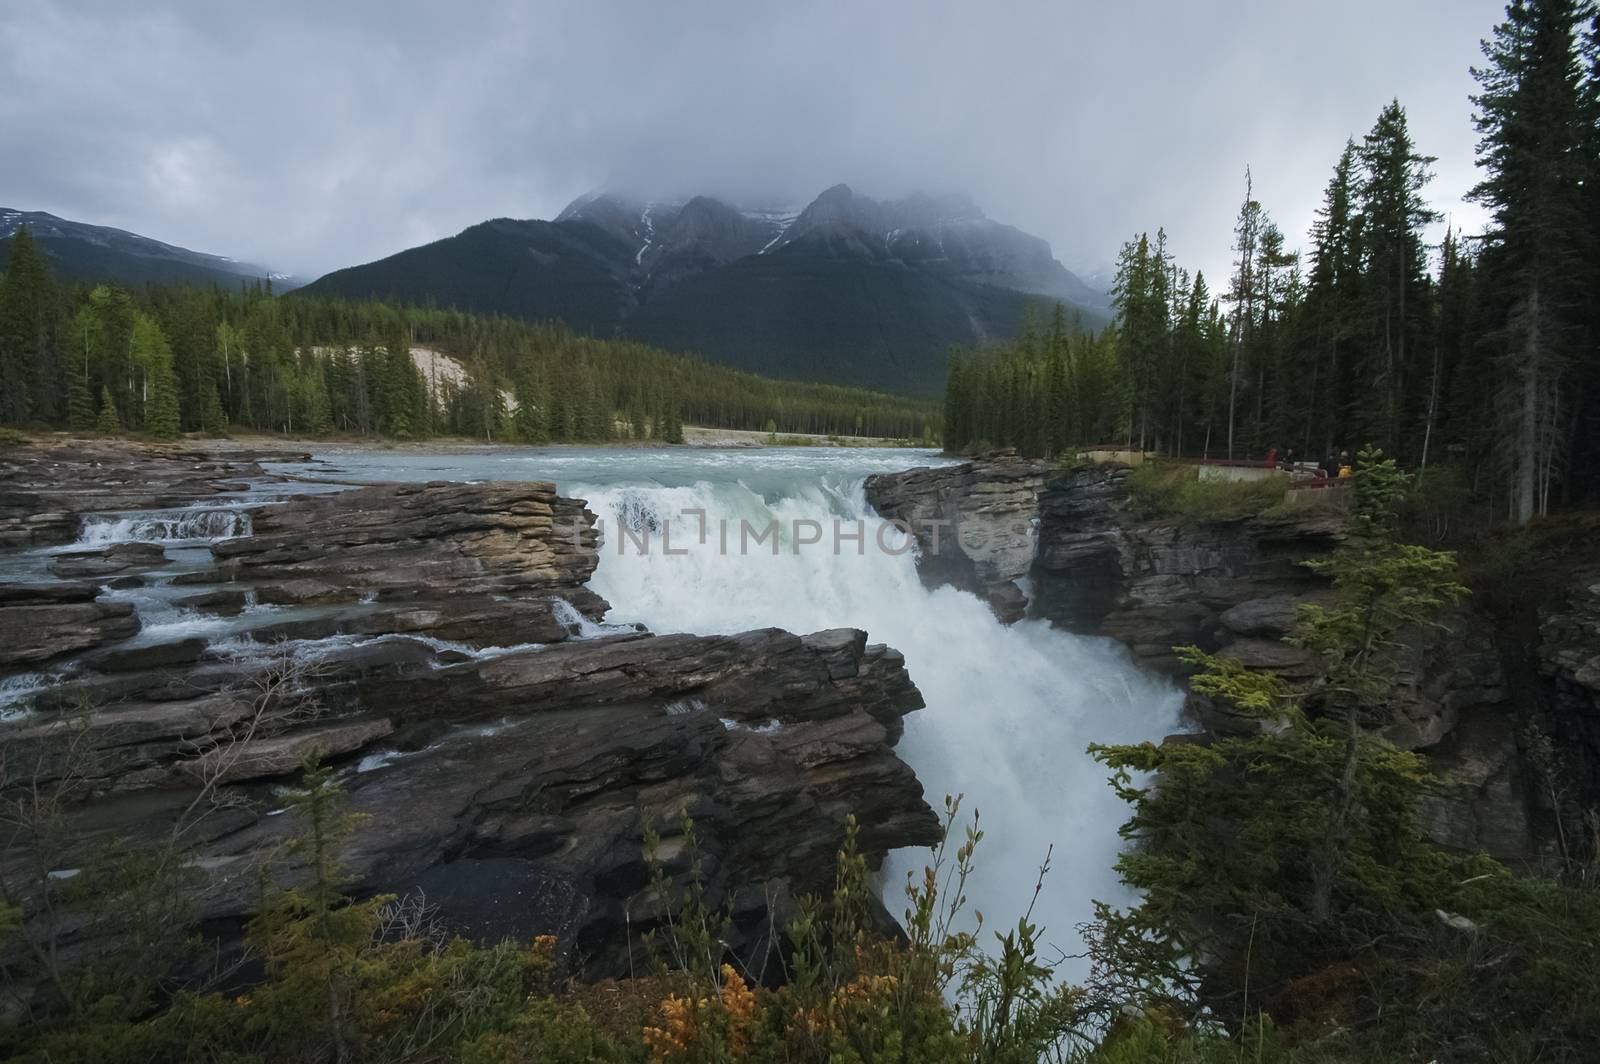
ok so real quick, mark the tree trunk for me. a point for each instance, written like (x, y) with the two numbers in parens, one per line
(1326, 871)
(1528, 428)
(1433, 403)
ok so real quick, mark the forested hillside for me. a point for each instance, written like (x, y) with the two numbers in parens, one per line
(1478, 352)
(851, 290)
(168, 360)
(84, 252)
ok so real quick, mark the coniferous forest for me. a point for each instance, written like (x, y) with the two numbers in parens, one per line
(1477, 352)
(166, 360)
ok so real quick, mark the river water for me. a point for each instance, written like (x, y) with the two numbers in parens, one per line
(1010, 709)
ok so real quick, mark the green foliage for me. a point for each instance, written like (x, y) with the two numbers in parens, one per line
(1482, 357)
(27, 313)
(1046, 394)
(154, 357)
(850, 996)
(1159, 491)
(108, 421)
(176, 360)
(1282, 865)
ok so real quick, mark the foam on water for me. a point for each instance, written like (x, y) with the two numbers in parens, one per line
(1010, 709)
(193, 524)
(17, 691)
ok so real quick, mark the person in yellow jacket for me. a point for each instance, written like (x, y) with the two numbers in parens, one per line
(1345, 469)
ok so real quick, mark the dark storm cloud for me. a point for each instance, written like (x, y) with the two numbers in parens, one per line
(309, 136)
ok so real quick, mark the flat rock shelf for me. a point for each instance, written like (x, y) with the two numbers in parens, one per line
(175, 623)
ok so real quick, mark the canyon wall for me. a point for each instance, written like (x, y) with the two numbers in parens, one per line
(1233, 587)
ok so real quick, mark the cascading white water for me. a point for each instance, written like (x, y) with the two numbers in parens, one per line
(1010, 709)
(1009, 712)
(194, 524)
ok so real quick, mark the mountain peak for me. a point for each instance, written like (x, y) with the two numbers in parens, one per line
(848, 289)
(88, 252)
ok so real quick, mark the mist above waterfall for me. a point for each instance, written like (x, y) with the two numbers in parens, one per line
(1009, 712)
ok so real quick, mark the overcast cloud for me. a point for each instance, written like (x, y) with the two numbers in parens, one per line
(311, 136)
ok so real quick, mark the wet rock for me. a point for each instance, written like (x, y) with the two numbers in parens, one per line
(534, 765)
(45, 486)
(974, 523)
(467, 561)
(283, 754)
(1569, 636)
(116, 558)
(541, 769)
(300, 591)
(225, 600)
(147, 656)
(41, 622)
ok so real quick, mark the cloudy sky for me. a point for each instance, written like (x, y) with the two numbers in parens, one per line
(307, 136)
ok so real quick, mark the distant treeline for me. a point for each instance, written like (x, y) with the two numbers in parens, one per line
(166, 360)
(1480, 351)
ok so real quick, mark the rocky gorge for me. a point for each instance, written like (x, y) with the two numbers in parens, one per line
(180, 631)
(1507, 719)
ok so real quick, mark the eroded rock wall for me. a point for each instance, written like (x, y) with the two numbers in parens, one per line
(439, 647)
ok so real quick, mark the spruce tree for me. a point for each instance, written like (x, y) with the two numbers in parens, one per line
(1534, 131)
(1243, 293)
(153, 355)
(1332, 301)
(213, 422)
(108, 421)
(24, 327)
(1393, 217)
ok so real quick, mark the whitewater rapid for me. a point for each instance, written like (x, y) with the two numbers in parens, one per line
(1010, 710)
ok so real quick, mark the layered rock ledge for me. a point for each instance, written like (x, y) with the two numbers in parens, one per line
(1234, 587)
(975, 523)
(438, 645)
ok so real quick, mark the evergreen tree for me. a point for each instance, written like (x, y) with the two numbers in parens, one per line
(213, 421)
(1243, 292)
(108, 421)
(1332, 307)
(25, 348)
(1394, 214)
(1534, 131)
(154, 356)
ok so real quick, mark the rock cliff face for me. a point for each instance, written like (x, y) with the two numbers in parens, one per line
(975, 523)
(1234, 587)
(437, 644)
(1156, 585)
(1569, 658)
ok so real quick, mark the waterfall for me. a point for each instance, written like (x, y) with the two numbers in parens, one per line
(192, 524)
(1009, 712)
